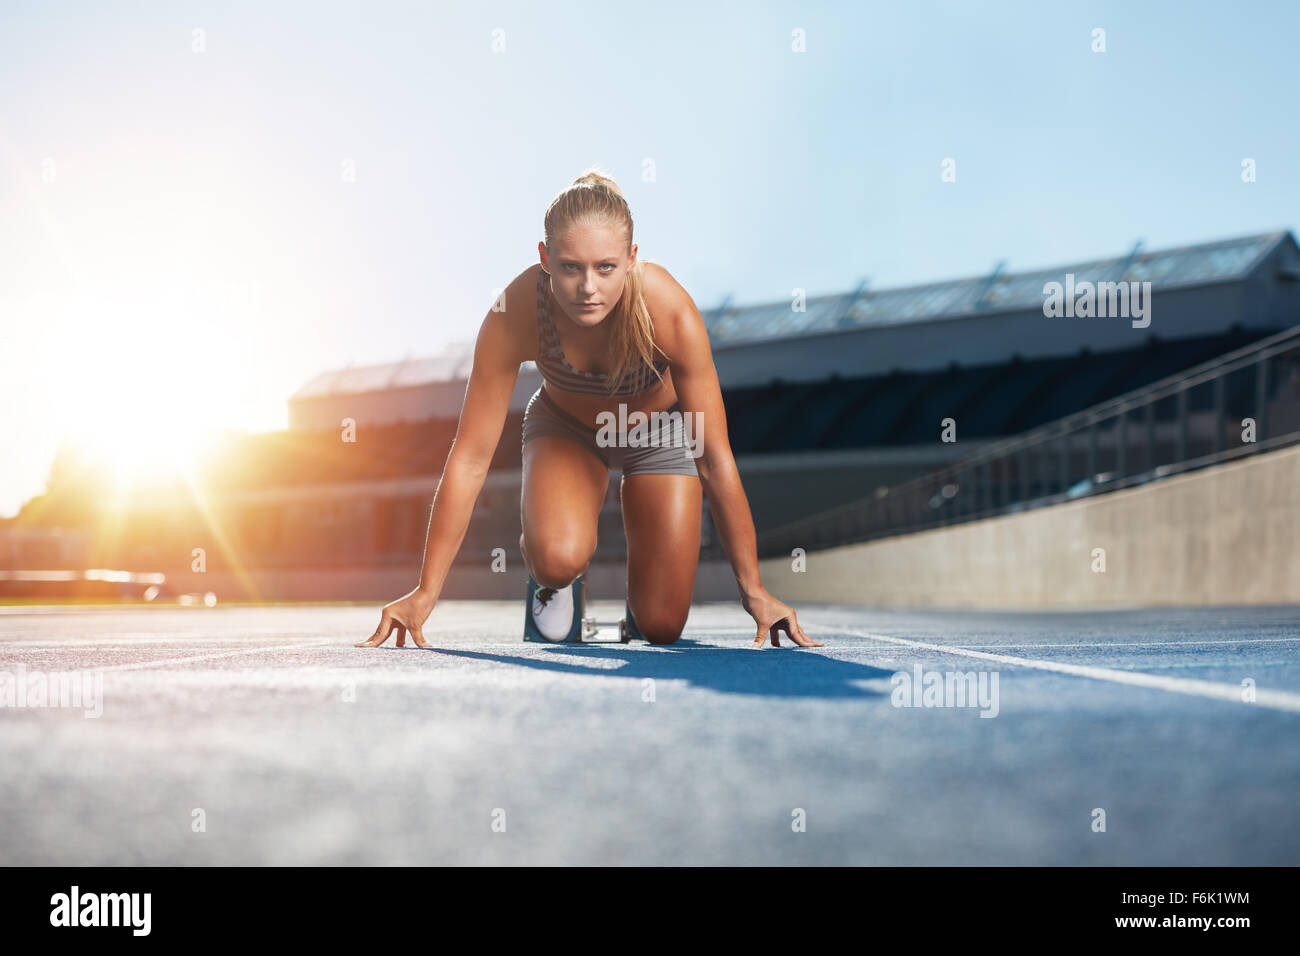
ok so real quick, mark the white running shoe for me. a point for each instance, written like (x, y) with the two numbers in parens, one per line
(553, 611)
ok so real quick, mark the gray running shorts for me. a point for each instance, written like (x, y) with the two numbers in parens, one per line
(669, 455)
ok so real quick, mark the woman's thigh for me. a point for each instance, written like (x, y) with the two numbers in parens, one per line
(661, 515)
(564, 486)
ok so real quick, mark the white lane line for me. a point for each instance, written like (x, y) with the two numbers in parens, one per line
(1264, 697)
(1205, 664)
(205, 657)
(149, 637)
(1173, 643)
(705, 633)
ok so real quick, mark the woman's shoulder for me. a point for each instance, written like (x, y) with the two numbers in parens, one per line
(664, 295)
(519, 298)
(671, 308)
(516, 310)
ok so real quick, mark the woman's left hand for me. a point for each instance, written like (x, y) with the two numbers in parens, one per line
(772, 617)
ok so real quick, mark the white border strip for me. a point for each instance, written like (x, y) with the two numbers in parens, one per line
(204, 657)
(1275, 699)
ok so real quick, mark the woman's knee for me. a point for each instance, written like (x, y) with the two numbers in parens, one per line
(660, 626)
(555, 563)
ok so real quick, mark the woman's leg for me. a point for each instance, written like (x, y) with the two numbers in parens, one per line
(661, 515)
(564, 485)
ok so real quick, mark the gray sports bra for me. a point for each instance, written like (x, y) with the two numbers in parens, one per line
(556, 369)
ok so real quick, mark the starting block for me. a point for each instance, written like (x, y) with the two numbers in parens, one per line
(584, 629)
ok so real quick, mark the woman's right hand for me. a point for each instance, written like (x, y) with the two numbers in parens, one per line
(407, 613)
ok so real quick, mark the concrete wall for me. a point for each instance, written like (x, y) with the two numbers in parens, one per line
(44, 548)
(714, 581)
(1225, 535)
(415, 403)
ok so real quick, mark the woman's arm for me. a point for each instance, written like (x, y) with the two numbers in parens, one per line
(696, 381)
(686, 340)
(482, 417)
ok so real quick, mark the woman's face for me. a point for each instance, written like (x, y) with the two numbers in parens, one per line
(588, 265)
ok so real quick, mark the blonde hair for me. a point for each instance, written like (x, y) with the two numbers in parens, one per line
(595, 199)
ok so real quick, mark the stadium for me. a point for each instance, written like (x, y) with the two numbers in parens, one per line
(857, 416)
(946, 447)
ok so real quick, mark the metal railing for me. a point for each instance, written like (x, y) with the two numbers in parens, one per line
(1242, 403)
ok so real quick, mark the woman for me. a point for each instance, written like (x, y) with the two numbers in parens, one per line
(584, 315)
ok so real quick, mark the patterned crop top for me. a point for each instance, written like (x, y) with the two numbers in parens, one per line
(555, 368)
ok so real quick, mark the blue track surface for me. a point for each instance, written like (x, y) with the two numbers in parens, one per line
(298, 748)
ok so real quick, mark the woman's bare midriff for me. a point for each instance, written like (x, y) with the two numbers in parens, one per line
(587, 408)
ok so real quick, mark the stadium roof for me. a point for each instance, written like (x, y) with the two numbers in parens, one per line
(1223, 261)
(453, 365)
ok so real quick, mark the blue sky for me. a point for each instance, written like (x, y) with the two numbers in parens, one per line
(182, 247)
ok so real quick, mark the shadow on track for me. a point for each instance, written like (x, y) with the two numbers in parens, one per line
(773, 672)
